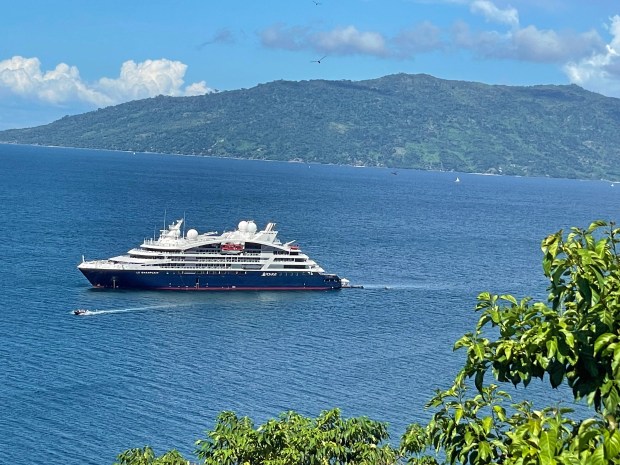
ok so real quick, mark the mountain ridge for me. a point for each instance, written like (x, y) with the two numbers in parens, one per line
(397, 121)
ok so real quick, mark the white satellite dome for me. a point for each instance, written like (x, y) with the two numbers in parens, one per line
(243, 225)
(192, 234)
(251, 228)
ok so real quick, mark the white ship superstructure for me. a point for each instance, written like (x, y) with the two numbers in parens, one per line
(246, 258)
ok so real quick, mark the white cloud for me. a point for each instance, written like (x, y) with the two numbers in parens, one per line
(512, 42)
(600, 72)
(345, 40)
(23, 77)
(147, 79)
(492, 13)
(548, 46)
(528, 44)
(340, 41)
(197, 88)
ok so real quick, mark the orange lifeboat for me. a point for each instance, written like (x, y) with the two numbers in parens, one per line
(231, 248)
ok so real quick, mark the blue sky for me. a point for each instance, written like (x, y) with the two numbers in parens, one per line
(71, 56)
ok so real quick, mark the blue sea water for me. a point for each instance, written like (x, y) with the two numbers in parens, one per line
(157, 367)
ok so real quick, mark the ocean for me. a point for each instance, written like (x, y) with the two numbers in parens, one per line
(156, 368)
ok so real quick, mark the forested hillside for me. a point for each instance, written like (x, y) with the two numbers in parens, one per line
(398, 121)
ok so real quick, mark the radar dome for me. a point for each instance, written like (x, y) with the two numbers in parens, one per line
(251, 228)
(192, 234)
(243, 226)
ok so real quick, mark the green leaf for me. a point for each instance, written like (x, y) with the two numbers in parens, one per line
(568, 338)
(479, 380)
(458, 414)
(598, 457)
(500, 412)
(615, 363)
(464, 341)
(556, 372)
(612, 446)
(548, 442)
(596, 224)
(509, 298)
(612, 400)
(551, 243)
(552, 347)
(603, 341)
(487, 423)
(484, 450)
(479, 350)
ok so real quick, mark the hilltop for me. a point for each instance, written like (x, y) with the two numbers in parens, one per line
(398, 121)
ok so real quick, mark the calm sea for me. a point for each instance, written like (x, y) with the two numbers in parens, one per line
(157, 367)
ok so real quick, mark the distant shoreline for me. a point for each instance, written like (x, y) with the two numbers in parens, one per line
(460, 173)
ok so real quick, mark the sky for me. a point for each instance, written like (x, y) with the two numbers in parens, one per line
(66, 57)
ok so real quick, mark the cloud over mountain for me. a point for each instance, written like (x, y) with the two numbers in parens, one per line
(24, 77)
(527, 43)
(600, 71)
(585, 57)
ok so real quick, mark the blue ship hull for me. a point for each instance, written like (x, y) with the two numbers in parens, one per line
(231, 281)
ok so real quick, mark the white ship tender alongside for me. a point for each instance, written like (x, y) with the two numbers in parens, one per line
(244, 259)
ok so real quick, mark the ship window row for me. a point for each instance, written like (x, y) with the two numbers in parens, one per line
(227, 261)
(214, 266)
(218, 259)
(160, 254)
(214, 272)
(230, 266)
(189, 265)
(189, 259)
(227, 272)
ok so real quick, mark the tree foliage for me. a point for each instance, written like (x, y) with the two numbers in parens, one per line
(295, 439)
(146, 456)
(573, 338)
(329, 439)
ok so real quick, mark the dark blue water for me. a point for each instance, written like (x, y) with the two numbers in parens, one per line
(157, 367)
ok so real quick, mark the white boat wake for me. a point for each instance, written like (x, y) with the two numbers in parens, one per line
(405, 286)
(83, 312)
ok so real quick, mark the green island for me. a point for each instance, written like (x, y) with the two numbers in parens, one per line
(571, 339)
(396, 121)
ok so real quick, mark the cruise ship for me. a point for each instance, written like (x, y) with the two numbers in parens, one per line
(243, 259)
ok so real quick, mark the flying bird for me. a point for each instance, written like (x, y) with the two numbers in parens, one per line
(319, 60)
(316, 3)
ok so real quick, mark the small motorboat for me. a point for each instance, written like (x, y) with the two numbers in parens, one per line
(346, 284)
(80, 311)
